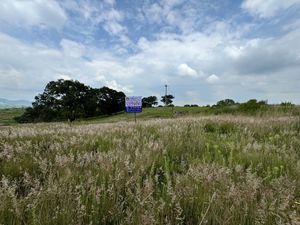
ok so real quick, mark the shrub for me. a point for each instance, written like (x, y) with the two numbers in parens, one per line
(251, 106)
(287, 104)
(210, 127)
(225, 102)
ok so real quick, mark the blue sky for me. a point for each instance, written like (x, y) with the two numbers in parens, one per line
(205, 50)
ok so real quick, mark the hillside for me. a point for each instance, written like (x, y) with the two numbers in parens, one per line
(180, 111)
(7, 115)
(217, 169)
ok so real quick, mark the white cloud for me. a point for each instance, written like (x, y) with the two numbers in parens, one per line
(72, 48)
(154, 13)
(176, 14)
(172, 3)
(263, 56)
(113, 68)
(110, 2)
(267, 8)
(111, 21)
(33, 13)
(113, 27)
(114, 85)
(95, 14)
(213, 79)
(254, 67)
(63, 76)
(185, 70)
(84, 8)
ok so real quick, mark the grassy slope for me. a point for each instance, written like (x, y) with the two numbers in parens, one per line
(216, 169)
(148, 113)
(7, 115)
(179, 111)
(200, 170)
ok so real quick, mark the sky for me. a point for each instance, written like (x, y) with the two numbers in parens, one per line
(204, 50)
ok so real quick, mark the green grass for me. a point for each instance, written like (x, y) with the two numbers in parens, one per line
(179, 111)
(147, 113)
(7, 115)
(214, 169)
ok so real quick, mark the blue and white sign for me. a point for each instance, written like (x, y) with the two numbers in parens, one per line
(133, 104)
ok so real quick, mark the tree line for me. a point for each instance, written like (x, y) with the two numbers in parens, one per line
(152, 101)
(70, 100)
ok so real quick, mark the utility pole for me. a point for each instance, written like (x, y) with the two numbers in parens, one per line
(166, 92)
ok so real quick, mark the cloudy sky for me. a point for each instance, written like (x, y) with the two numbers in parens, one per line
(205, 50)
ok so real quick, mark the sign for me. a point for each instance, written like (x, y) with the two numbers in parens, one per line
(133, 104)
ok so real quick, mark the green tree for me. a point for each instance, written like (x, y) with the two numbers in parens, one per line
(225, 102)
(149, 101)
(167, 99)
(68, 99)
(252, 105)
(110, 101)
(62, 99)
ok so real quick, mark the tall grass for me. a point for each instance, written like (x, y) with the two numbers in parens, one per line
(205, 170)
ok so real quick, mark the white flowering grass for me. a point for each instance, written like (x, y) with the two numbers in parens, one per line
(198, 170)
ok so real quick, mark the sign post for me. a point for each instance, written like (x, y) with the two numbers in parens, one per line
(133, 104)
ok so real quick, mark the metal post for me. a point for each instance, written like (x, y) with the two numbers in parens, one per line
(135, 117)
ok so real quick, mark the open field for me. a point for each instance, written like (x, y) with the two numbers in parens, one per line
(220, 169)
(180, 111)
(7, 115)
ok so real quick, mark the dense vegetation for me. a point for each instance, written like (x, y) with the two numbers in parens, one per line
(149, 101)
(285, 109)
(68, 99)
(167, 99)
(198, 170)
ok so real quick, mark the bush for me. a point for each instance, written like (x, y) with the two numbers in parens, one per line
(210, 127)
(225, 102)
(251, 106)
(222, 128)
(287, 104)
(226, 128)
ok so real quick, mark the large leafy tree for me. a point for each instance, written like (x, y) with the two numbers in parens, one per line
(109, 100)
(149, 101)
(63, 99)
(68, 99)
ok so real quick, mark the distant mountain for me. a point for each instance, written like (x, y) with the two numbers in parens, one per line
(5, 103)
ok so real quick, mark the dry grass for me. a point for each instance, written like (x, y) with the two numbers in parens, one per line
(198, 170)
